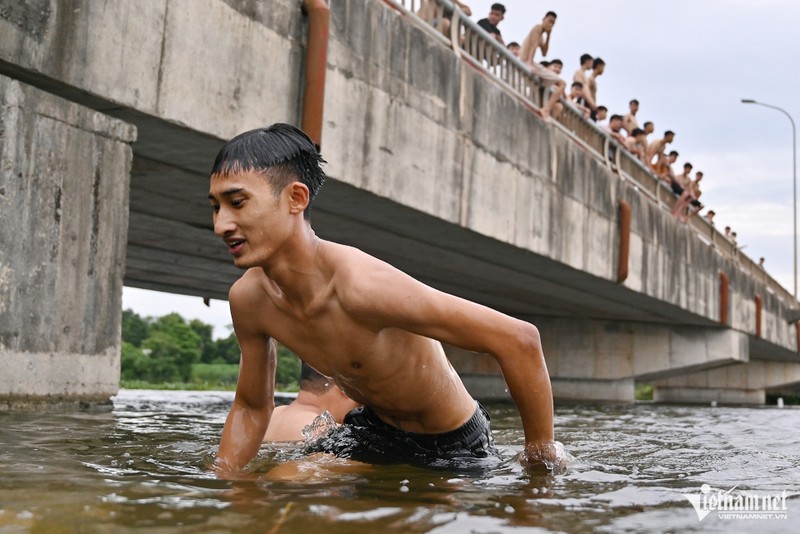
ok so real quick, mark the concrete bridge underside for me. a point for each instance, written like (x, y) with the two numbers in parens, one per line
(433, 167)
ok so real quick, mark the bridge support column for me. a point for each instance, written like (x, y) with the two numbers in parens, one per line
(64, 179)
(742, 383)
(599, 360)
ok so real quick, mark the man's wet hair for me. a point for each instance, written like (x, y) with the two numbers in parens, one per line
(668, 132)
(615, 118)
(498, 7)
(634, 101)
(557, 62)
(544, 63)
(585, 58)
(688, 165)
(281, 152)
(637, 131)
(674, 153)
(513, 43)
(648, 122)
(313, 381)
(551, 14)
(597, 62)
(602, 108)
(579, 85)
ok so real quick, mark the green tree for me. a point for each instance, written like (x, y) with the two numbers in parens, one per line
(174, 346)
(135, 328)
(204, 332)
(226, 350)
(135, 365)
(287, 374)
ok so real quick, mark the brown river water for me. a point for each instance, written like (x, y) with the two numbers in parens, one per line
(143, 468)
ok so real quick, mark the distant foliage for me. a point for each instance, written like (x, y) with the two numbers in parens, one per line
(169, 351)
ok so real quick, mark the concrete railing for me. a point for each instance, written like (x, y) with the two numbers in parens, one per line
(475, 45)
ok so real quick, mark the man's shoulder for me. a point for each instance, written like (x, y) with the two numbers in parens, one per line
(248, 285)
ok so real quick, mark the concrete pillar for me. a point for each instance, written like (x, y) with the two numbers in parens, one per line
(742, 383)
(64, 180)
(585, 390)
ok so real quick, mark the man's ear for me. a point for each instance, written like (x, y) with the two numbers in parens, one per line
(298, 197)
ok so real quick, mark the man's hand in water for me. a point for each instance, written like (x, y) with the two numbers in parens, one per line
(544, 458)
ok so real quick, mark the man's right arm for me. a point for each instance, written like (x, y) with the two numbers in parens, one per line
(254, 401)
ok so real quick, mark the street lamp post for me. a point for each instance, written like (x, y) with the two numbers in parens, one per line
(794, 175)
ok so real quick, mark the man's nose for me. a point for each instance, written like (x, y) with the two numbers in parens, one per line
(223, 223)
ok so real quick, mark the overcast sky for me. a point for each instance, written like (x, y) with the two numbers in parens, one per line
(689, 63)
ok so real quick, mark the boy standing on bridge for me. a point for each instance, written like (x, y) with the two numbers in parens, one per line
(369, 327)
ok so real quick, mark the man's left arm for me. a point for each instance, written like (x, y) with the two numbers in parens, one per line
(398, 300)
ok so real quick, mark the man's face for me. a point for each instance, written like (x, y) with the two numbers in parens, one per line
(495, 17)
(248, 216)
(514, 50)
(615, 125)
(555, 67)
(669, 138)
(672, 158)
(634, 107)
(548, 23)
(601, 114)
(576, 92)
(641, 138)
(698, 176)
(649, 128)
(687, 170)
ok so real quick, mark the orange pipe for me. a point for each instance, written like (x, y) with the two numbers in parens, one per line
(624, 240)
(316, 65)
(723, 298)
(759, 306)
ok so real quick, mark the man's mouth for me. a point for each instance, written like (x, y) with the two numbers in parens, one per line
(235, 246)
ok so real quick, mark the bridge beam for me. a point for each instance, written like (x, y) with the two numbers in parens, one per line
(64, 176)
(742, 383)
(601, 360)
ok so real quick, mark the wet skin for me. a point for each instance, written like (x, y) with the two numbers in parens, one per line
(372, 329)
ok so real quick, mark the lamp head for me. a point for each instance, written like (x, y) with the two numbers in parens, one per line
(748, 101)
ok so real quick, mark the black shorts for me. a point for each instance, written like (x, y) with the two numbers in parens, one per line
(364, 437)
(676, 187)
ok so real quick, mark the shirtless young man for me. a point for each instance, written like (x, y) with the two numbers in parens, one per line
(372, 329)
(629, 122)
(636, 143)
(656, 150)
(590, 88)
(539, 39)
(580, 74)
(317, 394)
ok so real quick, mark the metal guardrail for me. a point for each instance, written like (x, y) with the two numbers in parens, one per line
(474, 44)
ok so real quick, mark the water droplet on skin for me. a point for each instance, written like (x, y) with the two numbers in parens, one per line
(506, 390)
(535, 491)
(509, 509)
(544, 490)
(403, 489)
(404, 481)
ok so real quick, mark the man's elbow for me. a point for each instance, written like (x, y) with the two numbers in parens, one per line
(528, 339)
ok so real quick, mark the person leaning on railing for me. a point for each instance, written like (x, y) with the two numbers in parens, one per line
(439, 16)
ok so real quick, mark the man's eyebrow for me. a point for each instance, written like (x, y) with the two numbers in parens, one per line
(227, 192)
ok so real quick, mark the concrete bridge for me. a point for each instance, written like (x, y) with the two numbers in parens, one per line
(112, 113)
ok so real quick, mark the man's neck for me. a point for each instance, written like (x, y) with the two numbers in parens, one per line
(295, 267)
